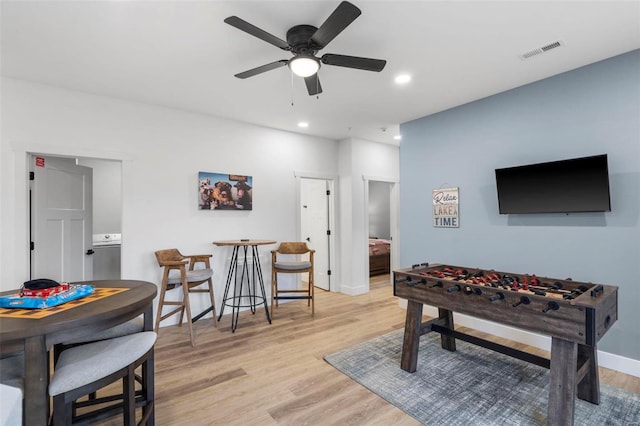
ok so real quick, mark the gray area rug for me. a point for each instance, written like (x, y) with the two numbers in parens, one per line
(471, 386)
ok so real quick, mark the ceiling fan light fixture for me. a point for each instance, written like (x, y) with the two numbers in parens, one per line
(304, 66)
(403, 79)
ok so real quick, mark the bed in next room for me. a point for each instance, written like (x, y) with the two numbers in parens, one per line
(379, 256)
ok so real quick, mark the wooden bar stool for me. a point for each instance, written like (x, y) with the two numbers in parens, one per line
(175, 273)
(279, 266)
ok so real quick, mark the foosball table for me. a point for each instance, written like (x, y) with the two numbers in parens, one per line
(576, 315)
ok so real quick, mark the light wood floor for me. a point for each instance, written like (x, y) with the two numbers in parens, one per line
(275, 374)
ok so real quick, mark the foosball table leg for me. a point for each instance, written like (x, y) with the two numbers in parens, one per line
(562, 382)
(588, 381)
(447, 342)
(412, 332)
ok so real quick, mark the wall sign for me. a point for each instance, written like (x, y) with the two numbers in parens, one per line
(445, 208)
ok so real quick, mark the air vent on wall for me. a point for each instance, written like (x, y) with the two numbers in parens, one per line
(542, 49)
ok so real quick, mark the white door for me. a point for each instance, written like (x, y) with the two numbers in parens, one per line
(61, 219)
(315, 226)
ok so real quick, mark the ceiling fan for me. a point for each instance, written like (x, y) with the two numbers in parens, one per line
(304, 41)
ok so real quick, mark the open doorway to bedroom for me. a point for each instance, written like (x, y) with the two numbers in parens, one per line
(380, 233)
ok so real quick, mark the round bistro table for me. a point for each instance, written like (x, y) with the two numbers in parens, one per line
(36, 336)
(249, 276)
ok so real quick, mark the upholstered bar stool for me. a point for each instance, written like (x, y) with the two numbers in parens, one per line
(135, 325)
(279, 266)
(11, 413)
(86, 368)
(179, 270)
(11, 390)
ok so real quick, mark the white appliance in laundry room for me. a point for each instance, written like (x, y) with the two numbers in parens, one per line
(106, 257)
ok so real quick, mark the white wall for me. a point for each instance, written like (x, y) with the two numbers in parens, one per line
(162, 150)
(107, 195)
(379, 210)
(360, 161)
(587, 111)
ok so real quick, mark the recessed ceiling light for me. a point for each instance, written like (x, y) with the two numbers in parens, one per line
(303, 124)
(397, 137)
(403, 79)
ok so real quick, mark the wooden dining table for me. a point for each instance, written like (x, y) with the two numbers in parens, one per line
(113, 302)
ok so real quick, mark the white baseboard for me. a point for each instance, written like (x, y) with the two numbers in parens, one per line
(354, 290)
(612, 361)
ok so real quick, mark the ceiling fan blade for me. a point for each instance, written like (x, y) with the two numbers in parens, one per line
(340, 19)
(243, 25)
(313, 84)
(263, 68)
(366, 64)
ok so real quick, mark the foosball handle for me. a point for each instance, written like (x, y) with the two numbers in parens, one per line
(551, 306)
(406, 279)
(437, 284)
(415, 283)
(524, 300)
(597, 291)
(497, 296)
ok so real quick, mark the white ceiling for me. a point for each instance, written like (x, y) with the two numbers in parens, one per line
(180, 54)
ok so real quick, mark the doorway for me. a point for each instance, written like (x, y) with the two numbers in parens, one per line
(87, 193)
(316, 225)
(381, 226)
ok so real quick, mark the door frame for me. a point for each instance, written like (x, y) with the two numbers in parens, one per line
(22, 152)
(334, 285)
(394, 225)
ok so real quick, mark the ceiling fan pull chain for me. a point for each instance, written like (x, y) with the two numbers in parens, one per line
(291, 88)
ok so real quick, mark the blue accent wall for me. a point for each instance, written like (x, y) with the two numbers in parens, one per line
(588, 111)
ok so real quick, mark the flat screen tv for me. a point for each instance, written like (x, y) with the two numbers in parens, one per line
(575, 185)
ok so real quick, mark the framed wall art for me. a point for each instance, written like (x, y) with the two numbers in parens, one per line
(220, 191)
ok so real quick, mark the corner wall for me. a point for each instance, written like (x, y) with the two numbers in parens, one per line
(360, 160)
(591, 110)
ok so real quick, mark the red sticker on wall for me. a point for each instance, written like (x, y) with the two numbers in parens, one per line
(40, 161)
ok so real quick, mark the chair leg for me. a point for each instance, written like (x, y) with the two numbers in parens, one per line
(148, 389)
(62, 413)
(187, 306)
(165, 278)
(312, 292)
(274, 286)
(213, 301)
(129, 400)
